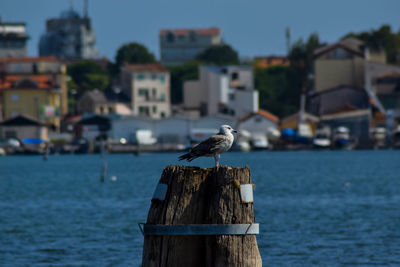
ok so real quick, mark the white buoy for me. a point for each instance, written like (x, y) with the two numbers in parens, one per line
(113, 178)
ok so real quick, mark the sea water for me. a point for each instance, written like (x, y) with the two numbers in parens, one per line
(315, 208)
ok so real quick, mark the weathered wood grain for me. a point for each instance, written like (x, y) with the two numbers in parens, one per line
(201, 196)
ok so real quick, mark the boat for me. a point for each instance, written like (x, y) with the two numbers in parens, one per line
(322, 139)
(379, 137)
(342, 139)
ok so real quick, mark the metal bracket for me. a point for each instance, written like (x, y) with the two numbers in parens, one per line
(200, 229)
(246, 193)
(160, 192)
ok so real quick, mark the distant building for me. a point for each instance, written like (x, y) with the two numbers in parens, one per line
(109, 102)
(266, 62)
(260, 121)
(344, 63)
(338, 99)
(292, 121)
(354, 82)
(69, 37)
(179, 46)
(22, 127)
(148, 88)
(221, 91)
(182, 128)
(13, 39)
(34, 87)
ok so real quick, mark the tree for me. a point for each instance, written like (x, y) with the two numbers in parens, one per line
(278, 93)
(133, 53)
(280, 87)
(383, 38)
(180, 74)
(301, 58)
(219, 55)
(86, 75)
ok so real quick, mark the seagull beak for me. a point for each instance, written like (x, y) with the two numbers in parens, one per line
(234, 131)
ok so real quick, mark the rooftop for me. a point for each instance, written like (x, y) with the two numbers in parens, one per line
(152, 67)
(350, 44)
(262, 113)
(201, 31)
(27, 59)
(41, 81)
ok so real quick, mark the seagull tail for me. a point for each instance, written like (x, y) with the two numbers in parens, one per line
(188, 156)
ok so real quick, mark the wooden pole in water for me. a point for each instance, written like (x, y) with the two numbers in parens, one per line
(103, 172)
(197, 196)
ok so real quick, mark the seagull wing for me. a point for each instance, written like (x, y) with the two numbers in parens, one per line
(209, 146)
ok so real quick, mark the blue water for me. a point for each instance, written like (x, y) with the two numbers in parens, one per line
(333, 208)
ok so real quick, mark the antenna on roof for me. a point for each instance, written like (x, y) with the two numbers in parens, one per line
(85, 9)
(287, 40)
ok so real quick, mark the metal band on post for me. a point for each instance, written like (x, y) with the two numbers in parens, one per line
(200, 229)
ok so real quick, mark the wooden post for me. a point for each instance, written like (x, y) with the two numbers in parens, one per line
(201, 196)
(103, 172)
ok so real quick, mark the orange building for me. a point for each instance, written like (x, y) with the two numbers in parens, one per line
(266, 62)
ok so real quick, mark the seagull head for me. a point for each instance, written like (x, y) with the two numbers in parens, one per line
(226, 129)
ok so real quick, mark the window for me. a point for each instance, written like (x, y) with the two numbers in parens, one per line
(162, 78)
(14, 114)
(101, 110)
(140, 76)
(154, 109)
(162, 97)
(154, 76)
(170, 37)
(192, 36)
(231, 96)
(144, 111)
(234, 76)
(110, 110)
(14, 97)
(154, 92)
(162, 114)
(143, 92)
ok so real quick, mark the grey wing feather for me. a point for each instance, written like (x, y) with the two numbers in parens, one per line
(209, 145)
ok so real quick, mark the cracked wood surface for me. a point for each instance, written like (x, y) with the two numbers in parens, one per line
(201, 196)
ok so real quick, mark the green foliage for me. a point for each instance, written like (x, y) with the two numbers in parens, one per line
(86, 75)
(219, 55)
(278, 91)
(133, 53)
(180, 74)
(381, 38)
(301, 60)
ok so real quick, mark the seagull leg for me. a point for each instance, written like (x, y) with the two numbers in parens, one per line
(216, 157)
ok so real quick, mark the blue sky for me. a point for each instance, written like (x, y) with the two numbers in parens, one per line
(252, 27)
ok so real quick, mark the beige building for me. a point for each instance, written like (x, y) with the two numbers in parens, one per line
(33, 86)
(22, 127)
(109, 102)
(148, 87)
(343, 63)
(225, 90)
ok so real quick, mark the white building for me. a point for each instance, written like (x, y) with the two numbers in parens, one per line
(221, 90)
(179, 46)
(179, 126)
(13, 39)
(148, 87)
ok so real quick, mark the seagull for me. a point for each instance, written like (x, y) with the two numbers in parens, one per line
(213, 146)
